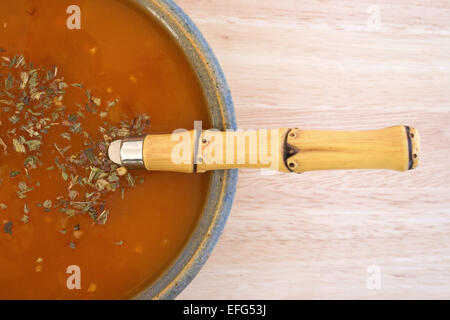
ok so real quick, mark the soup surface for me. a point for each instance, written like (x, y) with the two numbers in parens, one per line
(118, 53)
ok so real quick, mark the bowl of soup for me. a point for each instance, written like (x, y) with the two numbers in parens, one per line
(151, 236)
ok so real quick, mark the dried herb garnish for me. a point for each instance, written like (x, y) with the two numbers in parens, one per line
(13, 174)
(47, 204)
(33, 114)
(7, 228)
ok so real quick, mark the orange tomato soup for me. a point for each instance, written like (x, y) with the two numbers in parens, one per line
(118, 53)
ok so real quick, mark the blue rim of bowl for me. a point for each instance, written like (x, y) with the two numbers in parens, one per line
(223, 183)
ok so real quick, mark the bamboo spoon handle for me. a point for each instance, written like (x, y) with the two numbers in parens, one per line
(286, 150)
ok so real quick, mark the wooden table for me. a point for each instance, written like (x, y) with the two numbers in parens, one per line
(334, 65)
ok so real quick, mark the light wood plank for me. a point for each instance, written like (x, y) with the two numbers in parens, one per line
(316, 64)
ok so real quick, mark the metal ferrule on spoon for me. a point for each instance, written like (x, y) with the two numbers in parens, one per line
(286, 150)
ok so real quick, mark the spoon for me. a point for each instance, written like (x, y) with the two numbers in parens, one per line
(285, 150)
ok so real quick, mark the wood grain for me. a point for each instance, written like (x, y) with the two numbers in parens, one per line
(321, 65)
